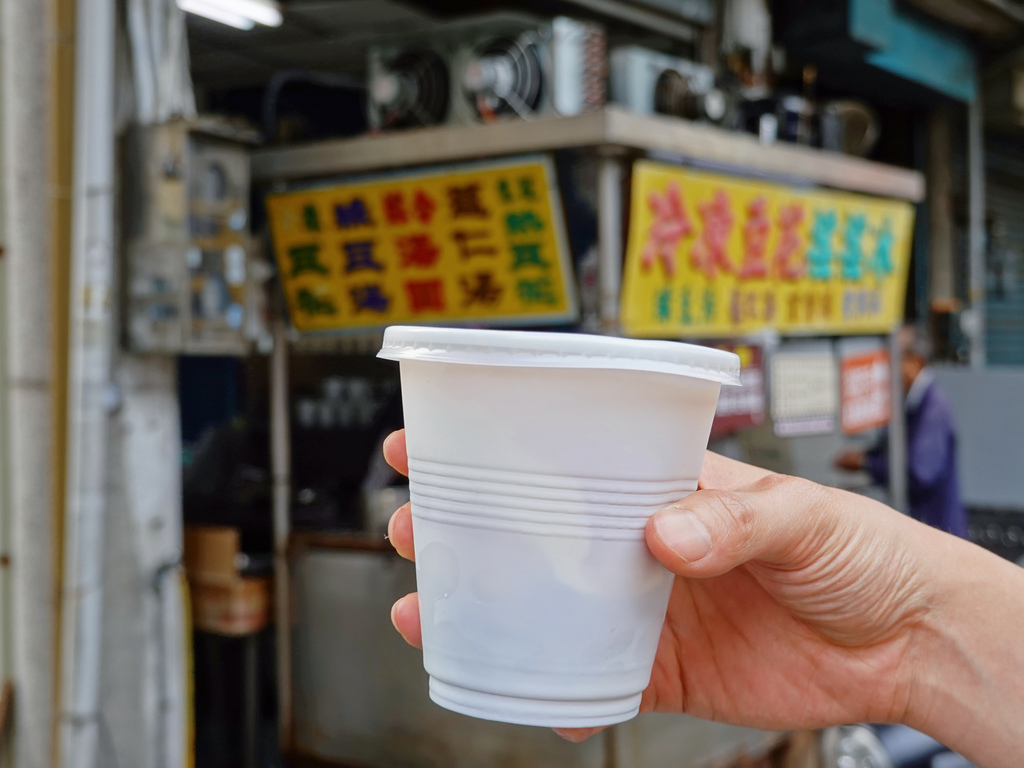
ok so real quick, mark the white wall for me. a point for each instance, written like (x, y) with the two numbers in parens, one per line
(988, 408)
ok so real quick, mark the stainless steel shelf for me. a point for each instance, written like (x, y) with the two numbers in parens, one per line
(609, 129)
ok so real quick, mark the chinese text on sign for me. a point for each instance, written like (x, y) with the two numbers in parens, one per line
(712, 255)
(471, 244)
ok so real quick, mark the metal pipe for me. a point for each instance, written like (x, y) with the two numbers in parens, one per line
(27, 116)
(91, 354)
(280, 463)
(897, 429)
(976, 228)
(609, 240)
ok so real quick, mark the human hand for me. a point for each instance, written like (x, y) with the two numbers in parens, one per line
(798, 606)
(850, 459)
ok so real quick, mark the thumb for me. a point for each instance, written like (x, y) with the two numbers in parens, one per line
(778, 519)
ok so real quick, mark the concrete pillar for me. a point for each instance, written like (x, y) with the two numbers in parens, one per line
(26, 113)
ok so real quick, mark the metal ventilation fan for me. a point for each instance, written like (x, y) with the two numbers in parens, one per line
(410, 90)
(677, 95)
(650, 82)
(504, 76)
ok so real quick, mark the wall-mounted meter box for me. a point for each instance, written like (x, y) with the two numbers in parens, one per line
(188, 277)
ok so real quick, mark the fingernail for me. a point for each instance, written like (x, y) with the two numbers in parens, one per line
(384, 446)
(394, 614)
(684, 534)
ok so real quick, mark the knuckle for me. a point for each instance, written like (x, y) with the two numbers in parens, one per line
(793, 489)
(805, 499)
(778, 481)
(735, 513)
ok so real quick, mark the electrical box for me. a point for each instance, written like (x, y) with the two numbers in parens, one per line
(188, 277)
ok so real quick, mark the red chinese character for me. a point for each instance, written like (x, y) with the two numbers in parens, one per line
(424, 206)
(786, 262)
(755, 239)
(708, 253)
(425, 295)
(671, 224)
(417, 250)
(394, 208)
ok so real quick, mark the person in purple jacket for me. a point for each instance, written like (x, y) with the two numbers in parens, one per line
(933, 490)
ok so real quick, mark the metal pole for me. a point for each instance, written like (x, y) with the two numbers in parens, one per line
(280, 460)
(897, 430)
(609, 241)
(976, 227)
(92, 345)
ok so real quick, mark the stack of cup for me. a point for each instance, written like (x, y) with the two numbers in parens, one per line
(535, 462)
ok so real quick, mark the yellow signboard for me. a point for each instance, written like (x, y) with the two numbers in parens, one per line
(482, 243)
(712, 255)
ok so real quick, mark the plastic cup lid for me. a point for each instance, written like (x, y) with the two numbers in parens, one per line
(534, 349)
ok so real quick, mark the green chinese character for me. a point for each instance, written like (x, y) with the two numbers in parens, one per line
(852, 256)
(819, 255)
(882, 261)
(538, 291)
(311, 304)
(505, 191)
(665, 305)
(306, 258)
(527, 255)
(709, 305)
(523, 223)
(310, 218)
(686, 315)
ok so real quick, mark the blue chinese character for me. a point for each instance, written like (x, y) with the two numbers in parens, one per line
(853, 254)
(359, 256)
(355, 214)
(369, 297)
(819, 255)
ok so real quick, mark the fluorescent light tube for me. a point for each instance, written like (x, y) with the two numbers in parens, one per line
(266, 12)
(215, 13)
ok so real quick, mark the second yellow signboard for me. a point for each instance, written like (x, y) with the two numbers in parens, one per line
(712, 255)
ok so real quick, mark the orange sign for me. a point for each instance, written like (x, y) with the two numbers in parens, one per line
(866, 391)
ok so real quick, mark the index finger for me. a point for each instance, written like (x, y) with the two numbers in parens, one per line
(395, 452)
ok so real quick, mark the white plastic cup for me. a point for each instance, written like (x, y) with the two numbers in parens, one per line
(535, 461)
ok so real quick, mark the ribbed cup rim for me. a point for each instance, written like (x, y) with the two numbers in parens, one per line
(533, 349)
